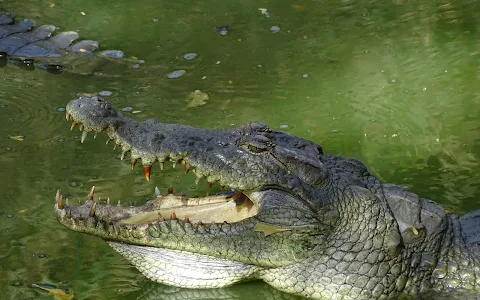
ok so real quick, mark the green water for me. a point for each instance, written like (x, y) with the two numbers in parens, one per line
(392, 83)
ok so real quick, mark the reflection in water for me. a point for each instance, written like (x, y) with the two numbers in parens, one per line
(394, 84)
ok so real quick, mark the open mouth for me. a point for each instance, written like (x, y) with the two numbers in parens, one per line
(225, 207)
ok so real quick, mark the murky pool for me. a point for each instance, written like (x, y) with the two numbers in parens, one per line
(392, 83)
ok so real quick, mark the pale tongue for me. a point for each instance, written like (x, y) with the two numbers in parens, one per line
(216, 212)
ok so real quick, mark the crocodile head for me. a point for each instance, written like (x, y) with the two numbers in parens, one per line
(307, 223)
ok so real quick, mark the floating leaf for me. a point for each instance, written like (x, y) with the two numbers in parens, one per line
(58, 294)
(17, 137)
(23, 211)
(52, 5)
(197, 98)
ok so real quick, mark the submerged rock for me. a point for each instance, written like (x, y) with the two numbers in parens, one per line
(105, 93)
(176, 74)
(274, 29)
(223, 30)
(190, 56)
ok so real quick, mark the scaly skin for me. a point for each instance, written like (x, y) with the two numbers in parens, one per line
(307, 223)
(27, 47)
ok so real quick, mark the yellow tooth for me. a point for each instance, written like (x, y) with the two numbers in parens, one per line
(84, 136)
(90, 194)
(92, 210)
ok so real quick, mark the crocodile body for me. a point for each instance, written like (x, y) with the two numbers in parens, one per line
(25, 45)
(307, 223)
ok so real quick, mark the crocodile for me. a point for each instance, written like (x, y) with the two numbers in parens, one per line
(27, 46)
(307, 223)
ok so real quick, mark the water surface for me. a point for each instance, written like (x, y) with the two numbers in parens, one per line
(392, 83)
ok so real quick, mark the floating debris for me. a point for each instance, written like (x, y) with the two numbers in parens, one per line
(305, 75)
(73, 183)
(264, 12)
(61, 109)
(58, 294)
(127, 109)
(197, 99)
(3, 106)
(84, 94)
(274, 29)
(136, 111)
(190, 56)
(17, 137)
(176, 74)
(218, 62)
(105, 93)
(136, 66)
(223, 30)
(284, 126)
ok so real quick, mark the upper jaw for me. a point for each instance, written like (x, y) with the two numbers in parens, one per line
(210, 154)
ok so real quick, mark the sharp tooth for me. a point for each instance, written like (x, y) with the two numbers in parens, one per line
(90, 194)
(170, 190)
(157, 192)
(67, 116)
(114, 146)
(174, 164)
(123, 155)
(146, 172)
(197, 180)
(132, 163)
(210, 185)
(74, 124)
(66, 202)
(161, 166)
(173, 215)
(84, 136)
(119, 204)
(92, 210)
(58, 200)
(80, 127)
(187, 219)
(95, 135)
(108, 200)
(108, 140)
